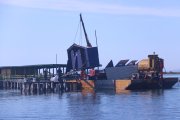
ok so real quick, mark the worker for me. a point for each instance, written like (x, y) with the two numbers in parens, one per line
(59, 72)
(60, 79)
(83, 74)
(92, 74)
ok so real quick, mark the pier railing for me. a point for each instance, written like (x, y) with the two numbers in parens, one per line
(15, 77)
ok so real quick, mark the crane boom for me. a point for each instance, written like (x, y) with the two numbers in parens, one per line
(87, 40)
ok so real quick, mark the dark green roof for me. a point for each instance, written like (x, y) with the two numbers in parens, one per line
(39, 66)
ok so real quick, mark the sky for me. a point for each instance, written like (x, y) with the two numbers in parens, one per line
(34, 31)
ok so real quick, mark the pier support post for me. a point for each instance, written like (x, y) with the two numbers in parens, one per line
(46, 87)
(52, 87)
(37, 88)
(23, 88)
(32, 88)
(17, 85)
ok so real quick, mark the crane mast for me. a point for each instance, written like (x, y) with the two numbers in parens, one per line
(87, 40)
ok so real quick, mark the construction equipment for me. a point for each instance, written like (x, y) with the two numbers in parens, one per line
(87, 40)
(152, 66)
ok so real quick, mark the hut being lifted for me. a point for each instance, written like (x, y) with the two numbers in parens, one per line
(81, 57)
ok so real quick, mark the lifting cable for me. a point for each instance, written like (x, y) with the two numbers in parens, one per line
(76, 33)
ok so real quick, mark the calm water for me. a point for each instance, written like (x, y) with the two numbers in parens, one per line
(139, 105)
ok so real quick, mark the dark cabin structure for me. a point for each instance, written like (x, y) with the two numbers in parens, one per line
(29, 71)
(80, 57)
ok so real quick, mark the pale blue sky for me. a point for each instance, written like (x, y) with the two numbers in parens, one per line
(33, 31)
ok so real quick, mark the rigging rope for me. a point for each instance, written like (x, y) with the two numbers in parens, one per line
(76, 32)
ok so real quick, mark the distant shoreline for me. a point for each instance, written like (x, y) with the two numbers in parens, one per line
(171, 72)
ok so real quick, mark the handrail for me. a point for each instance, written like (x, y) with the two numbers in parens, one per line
(14, 77)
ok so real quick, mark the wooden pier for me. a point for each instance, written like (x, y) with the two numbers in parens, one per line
(32, 79)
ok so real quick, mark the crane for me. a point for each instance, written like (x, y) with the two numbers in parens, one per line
(87, 40)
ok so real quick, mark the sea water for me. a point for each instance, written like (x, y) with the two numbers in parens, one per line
(105, 105)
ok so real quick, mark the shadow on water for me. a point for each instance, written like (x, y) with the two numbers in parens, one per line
(157, 92)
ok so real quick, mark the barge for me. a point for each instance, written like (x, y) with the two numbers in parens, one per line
(146, 74)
